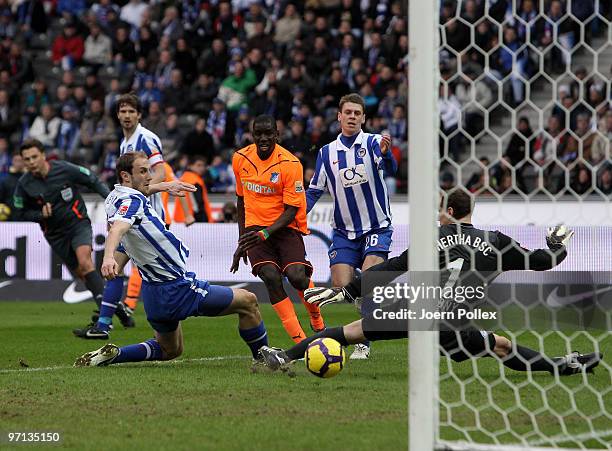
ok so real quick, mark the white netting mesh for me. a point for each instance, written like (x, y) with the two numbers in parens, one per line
(526, 124)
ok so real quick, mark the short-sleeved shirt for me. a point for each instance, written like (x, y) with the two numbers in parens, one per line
(267, 186)
(159, 255)
(144, 140)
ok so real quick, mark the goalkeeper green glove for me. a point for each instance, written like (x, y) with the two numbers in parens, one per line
(558, 236)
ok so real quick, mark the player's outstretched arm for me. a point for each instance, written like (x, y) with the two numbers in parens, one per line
(83, 176)
(515, 257)
(110, 266)
(175, 188)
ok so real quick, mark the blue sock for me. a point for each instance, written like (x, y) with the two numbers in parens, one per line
(149, 350)
(255, 338)
(111, 297)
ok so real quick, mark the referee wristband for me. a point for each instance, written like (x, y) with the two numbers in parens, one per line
(264, 234)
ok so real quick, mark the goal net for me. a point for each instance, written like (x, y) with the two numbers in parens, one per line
(524, 124)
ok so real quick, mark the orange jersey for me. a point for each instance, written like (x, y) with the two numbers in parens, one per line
(170, 177)
(267, 186)
(202, 203)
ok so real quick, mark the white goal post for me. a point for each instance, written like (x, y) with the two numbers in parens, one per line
(573, 59)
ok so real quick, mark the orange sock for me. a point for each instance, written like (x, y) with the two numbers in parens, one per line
(133, 288)
(316, 320)
(286, 313)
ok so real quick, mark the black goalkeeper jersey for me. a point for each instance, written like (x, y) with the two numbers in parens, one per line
(479, 255)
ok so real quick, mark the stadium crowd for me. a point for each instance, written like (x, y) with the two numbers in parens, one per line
(572, 151)
(204, 69)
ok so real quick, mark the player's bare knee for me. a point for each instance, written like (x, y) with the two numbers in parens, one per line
(503, 346)
(297, 278)
(271, 277)
(245, 302)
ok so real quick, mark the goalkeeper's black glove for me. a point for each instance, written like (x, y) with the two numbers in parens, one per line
(322, 296)
(558, 237)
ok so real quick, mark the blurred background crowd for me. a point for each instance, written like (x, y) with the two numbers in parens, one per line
(204, 68)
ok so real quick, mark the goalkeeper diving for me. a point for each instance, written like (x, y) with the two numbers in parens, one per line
(497, 253)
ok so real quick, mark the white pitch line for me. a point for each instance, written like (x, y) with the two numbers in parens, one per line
(170, 362)
(572, 438)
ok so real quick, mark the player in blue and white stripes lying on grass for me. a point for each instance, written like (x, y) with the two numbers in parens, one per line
(170, 293)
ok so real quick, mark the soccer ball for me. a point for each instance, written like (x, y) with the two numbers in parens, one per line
(324, 357)
(5, 212)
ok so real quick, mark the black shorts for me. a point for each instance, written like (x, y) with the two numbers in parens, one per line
(282, 249)
(64, 244)
(467, 343)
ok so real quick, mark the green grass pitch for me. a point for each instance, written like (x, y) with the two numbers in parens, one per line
(209, 398)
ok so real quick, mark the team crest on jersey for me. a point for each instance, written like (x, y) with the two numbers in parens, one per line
(332, 255)
(130, 148)
(67, 194)
(274, 177)
(299, 187)
(122, 210)
(361, 152)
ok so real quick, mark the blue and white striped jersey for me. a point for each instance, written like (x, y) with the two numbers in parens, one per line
(355, 179)
(144, 140)
(159, 255)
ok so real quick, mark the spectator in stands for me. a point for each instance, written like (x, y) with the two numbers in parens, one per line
(475, 96)
(220, 176)
(600, 149)
(8, 27)
(581, 180)
(45, 127)
(68, 48)
(398, 126)
(124, 52)
(604, 184)
(155, 119)
(288, 27)
(163, 70)
(201, 94)
(185, 61)
(98, 47)
(36, 97)
(580, 143)
(199, 142)
(149, 93)
(450, 118)
(299, 144)
(96, 129)
(110, 100)
(260, 39)
(100, 11)
(8, 183)
(521, 143)
(512, 59)
(146, 46)
(227, 24)
(214, 60)
(9, 116)
(18, 65)
(176, 95)
(234, 89)
(93, 87)
(217, 124)
(5, 157)
(108, 162)
(170, 134)
(68, 135)
(559, 27)
(551, 142)
(171, 25)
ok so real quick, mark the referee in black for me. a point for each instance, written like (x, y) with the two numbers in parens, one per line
(47, 193)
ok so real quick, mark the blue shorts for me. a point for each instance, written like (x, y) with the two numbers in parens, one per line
(167, 303)
(354, 252)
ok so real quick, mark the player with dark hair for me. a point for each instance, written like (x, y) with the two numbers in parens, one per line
(353, 168)
(493, 254)
(170, 293)
(48, 194)
(271, 221)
